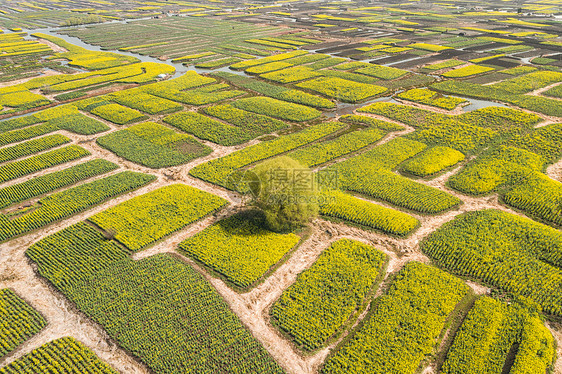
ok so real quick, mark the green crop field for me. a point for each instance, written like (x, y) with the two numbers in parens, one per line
(227, 187)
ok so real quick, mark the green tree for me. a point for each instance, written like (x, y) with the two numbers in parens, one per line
(286, 193)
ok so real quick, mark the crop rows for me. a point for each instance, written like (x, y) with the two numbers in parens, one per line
(403, 326)
(427, 97)
(147, 218)
(239, 248)
(210, 129)
(146, 103)
(539, 104)
(208, 94)
(504, 250)
(64, 355)
(153, 145)
(18, 321)
(352, 209)
(66, 203)
(277, 109)
(16, 169)
(433, 161)
(291, 74)
(370, 174)
(327, 294)
(342, 89)
(161, 308)
(382, 72)
(277, 92)
(488, 333)
(118, 114)
(371, 122)
(31, 147)
(50, 182)
(219, 170)
(320, 153)
(250, 124)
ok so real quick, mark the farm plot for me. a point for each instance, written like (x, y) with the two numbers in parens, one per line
(277, 92)
(31, 147)
(349, 208)
(20, 168)
(320, 153)
(146, 103)
(329, 293)
(427, 97)
(277, 109)
(51, 182)
(404, 326)
(220, 171)
(291, 74)
(162, 309)
(342, 89)
(153, 145)
(248, 125)
(370, 174)
(504, 250)
(66, 203)
(62, 355)
(360, 120)
(118, 114)
(183, 39)
(239, 249)
(382, 72)
(541, 104)
(433, 161)
(488, 333)
(467, 71)
(19, 321)
(468, 132)
(148, 218)
(208, 94)
(260, 61)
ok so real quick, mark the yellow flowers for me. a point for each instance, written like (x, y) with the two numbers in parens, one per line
(63, 355)
(291, 75)
(342, 89)
(403, 328)
(489, 331)
(118, 114)
(382, 72)
(467, 71)
(277, 109)
(148, 218)
(510, 252)
(219, 171)
(19, 321)
(239, 248)
(433, 161)
(325, 296)
(425, 96)
(352, 209)
(159, 307)
(68, 202)
(147, 103)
